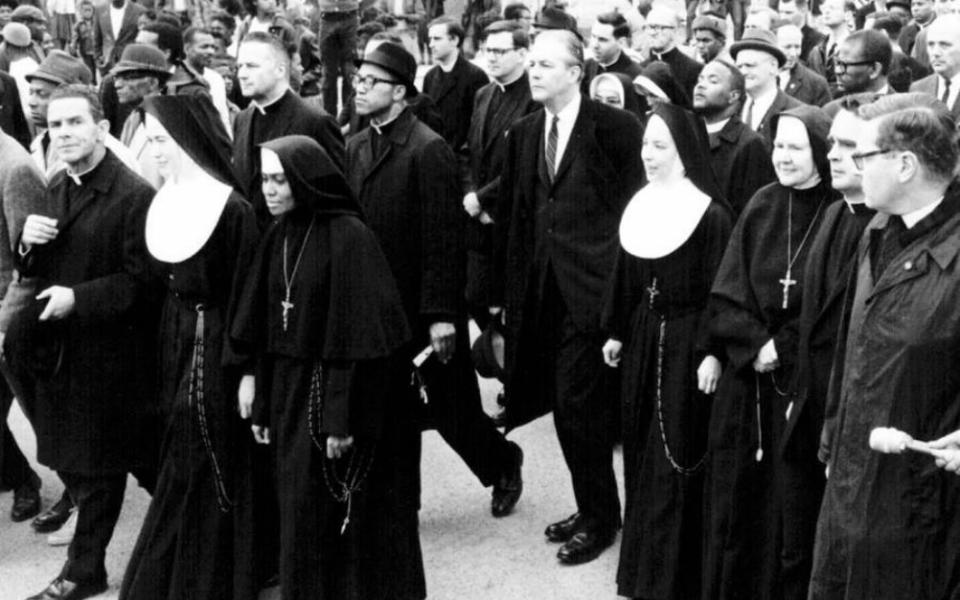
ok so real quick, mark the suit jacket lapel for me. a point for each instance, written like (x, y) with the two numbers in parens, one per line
(129, 19)
(582, 127)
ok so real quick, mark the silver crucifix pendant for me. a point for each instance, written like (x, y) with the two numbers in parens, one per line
(287, 305)
(787, 281)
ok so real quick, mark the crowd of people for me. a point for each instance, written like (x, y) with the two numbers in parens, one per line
(240, 254)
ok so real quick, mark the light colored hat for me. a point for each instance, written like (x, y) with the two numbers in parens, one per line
(16, 34)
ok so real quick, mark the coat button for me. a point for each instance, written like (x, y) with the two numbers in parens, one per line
(908, 265)
(170, 276)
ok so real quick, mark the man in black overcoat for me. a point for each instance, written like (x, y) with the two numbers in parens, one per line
(12, 119)
(405, 177)
(498, 105)
(86, 345)
(664, 27)
(263, 71)
(570, 169)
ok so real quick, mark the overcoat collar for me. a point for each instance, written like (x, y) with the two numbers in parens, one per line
(396, 136)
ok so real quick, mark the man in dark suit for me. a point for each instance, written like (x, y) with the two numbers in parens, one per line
(498, 105)
(760, 59)
(87, 343)
(12, 119)
(796, 79)
(923, 16)
(663, 28)
(114, 26)
(453, 82)
(405, 178)
(609, 36)
(795, 12)
(943, 43)
(738, 155)
(263, 68)
(569, 171)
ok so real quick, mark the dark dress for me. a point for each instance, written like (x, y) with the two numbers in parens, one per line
(662, 528)
(186, 545)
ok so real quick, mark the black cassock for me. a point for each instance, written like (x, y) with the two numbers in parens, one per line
(663, 525)
(743, 510)
(186, 546)
(334, 370)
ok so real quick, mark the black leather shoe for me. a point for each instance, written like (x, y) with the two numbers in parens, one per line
(26, 500)
(561, 531)
(585, 545)
(506, 492)
(62, 589)
(54, 517)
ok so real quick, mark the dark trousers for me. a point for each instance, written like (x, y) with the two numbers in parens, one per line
(14, 468)
(338, 48)
(801, 481)
(584, 406)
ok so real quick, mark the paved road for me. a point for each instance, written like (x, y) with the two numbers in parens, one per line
(468, 554)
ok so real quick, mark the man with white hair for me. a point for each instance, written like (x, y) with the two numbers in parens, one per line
(663, 28)
(943, 47)
(796, 79)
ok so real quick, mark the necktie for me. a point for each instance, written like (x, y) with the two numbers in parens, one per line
(551, 155)
(946, 92)
(748, 116)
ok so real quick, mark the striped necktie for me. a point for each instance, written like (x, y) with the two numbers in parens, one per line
(551, 155)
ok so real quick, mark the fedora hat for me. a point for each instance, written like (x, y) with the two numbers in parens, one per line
(60, 68)
(140, 58)
(488, 352)
(759, 39)
(16, 34)
(394, 59)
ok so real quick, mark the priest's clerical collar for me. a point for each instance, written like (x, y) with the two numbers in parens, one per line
(857, 207)
(659, 55)
(505, 87)
(264, 108)
(611, 63)
(718, 126)
(84, 177)
(913, 217)
(384, 128)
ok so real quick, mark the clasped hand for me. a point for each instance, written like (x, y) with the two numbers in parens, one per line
(767, 359)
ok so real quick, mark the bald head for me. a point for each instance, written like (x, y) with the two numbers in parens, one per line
(790, 40)
(943, 45)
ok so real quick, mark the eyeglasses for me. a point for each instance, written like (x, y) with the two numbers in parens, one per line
(841, 66)
(368, 81)
(857, 157)
(661, 27)
(498, 52)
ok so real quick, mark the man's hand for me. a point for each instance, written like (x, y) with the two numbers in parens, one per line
(261, 434)
(485, 218)
(708, 374)
(471, 204)
(611, 352)
(245, 396)
(337, 446)
(37, 230)
(60, 304)
(767, 359)
(443, 338)
(950, 458)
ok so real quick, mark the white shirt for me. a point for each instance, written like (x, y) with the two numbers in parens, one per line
(718, 126)
(761, 104)
(567, 118)
(218, 92)
(116, 18)
(954, 89)
(912, 218)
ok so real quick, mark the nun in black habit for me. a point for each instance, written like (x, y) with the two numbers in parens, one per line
(756, 301)
(323, 313)
(672, 236)
(202, 236)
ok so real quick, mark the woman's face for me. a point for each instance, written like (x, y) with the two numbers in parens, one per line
(609, 91)
(166, 154)
(792, 154)
(276, 188)
(659, 152)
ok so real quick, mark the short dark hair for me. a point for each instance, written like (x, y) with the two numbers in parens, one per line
(169, 37)
(520, 37)
(737, 81)
(387, 36)
(271, 41)
(11, 4)
(84, 92)
(876, 47)
(453, 26)
(226, 19)
(191, 32)
(887, 22)
(514, 11)
(621, 29)
(917, 123)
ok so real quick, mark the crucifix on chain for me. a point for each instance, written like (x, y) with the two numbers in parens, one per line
(787, 281)
(287, 306)
(652, 291)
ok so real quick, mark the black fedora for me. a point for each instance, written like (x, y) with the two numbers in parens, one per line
(394, 59)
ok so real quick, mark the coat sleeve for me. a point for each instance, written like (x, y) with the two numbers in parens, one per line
(116, 294)
(503, 215)
(752, 169)
(327, 133)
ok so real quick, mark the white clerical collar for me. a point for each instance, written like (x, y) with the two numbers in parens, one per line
(912, 218)
(851, 205)
(379, 126)
(76, 177)
(611, 63)
(718, 126)
(503, 86)
(567, 114)
(262, 108)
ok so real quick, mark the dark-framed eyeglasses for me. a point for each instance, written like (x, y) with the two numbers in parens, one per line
(857, 157)
(842, 66)
(498, 52)
(366, 82)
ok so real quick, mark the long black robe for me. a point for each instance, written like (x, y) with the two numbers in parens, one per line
(743, 526)
(186, 545)
(663, 524)
(345, 327)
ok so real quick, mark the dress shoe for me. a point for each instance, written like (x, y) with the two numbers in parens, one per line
(64, 535)
(54, 517)
(561, 531)
(585, 545)
(26, 500)
(63, 589)
(506, 492)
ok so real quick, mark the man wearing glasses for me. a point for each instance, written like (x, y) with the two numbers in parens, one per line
(662, 26)
(862, 63)
(886, 519)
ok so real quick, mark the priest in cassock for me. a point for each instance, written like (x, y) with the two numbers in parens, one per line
(672, 237)
(323, 313)
(824, 301)
(757, 301)
(889, 525)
